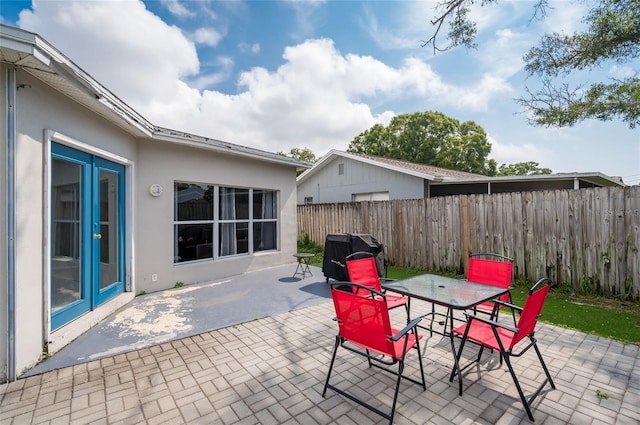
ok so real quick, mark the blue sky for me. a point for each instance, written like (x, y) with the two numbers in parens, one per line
(281, 74)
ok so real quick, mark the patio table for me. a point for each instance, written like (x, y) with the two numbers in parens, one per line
(303, 264)
(454, 294)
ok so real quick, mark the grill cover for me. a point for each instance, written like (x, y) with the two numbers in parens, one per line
(337, 246)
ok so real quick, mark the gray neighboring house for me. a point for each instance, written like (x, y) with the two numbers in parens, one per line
(345, 177)
(101, 204)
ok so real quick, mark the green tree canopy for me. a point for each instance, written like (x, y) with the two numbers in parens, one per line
(522, 169)
(304, 154)
(612, 36)
(429, 138)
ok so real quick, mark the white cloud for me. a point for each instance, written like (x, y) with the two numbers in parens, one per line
(224, 66)
(566, 17)
(405, 26)
(503, 56)
(207, 36)
(511, 153)
(177, 8)
(618, 71)
(252, 48)
(308, 15)
(104, 38)
(316, 98)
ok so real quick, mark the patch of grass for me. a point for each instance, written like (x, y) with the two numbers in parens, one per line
(178, 285)
(307, 245)
(394, 272)
(615, 319)
(139, 293)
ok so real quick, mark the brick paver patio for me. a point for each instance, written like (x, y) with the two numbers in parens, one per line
(272, 370)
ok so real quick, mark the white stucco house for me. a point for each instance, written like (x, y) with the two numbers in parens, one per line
(346, 177)
(101, 204)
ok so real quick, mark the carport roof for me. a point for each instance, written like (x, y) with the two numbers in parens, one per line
(444, 176)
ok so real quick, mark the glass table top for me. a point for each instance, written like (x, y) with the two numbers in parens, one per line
(446, 291)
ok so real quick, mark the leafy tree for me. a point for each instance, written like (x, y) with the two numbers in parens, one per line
(522, 169)
(612, 35)
(429, 138)
(304, 154)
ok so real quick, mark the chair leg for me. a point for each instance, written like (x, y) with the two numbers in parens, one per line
(395, 395)
(544, 366)
(424, 383)
(524, 400)
(457, 369)
(333, 358)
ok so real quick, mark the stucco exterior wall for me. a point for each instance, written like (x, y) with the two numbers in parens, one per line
(326, 185)
(38, 109)
(162, 163)
(41, 110)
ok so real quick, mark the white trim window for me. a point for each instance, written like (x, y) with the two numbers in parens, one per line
(216, 221)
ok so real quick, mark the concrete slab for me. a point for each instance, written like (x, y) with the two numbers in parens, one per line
(164, 316)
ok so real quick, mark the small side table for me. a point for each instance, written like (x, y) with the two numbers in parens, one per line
(303, 264)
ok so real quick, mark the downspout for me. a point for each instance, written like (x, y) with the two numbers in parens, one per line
(11, 225)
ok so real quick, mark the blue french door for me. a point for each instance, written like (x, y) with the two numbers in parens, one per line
(87, 232)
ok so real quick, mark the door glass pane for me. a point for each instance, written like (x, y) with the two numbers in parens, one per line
(66, 223)
(109, 244)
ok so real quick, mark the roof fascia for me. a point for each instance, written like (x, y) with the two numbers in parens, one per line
(34, 45)
(336, 153)
(597, 178)
(186, 139)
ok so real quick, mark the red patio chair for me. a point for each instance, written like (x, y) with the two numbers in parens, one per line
(362, 269)
(503, 338)
(364, 329)
(491, 269)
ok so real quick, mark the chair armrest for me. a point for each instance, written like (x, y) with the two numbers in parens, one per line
(406, 329)
(491, 323)
(508, 305)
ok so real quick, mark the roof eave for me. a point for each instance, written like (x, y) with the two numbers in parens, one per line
(336, 153)
(199, 142)
(593, 177)
(88, 91)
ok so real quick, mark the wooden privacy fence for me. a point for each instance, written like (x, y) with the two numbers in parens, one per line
(588, 239)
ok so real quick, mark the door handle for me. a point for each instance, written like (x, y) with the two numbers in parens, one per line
(97, 236)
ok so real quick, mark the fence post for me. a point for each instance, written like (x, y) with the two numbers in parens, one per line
(465, 232)
(400, 230)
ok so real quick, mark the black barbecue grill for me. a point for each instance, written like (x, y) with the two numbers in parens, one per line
(338, 245)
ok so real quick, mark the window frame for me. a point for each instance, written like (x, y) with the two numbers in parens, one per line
(216, 222)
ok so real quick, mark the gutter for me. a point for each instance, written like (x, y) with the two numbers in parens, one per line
(11, 224)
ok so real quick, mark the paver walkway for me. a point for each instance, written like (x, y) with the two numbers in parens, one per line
(272, 371)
